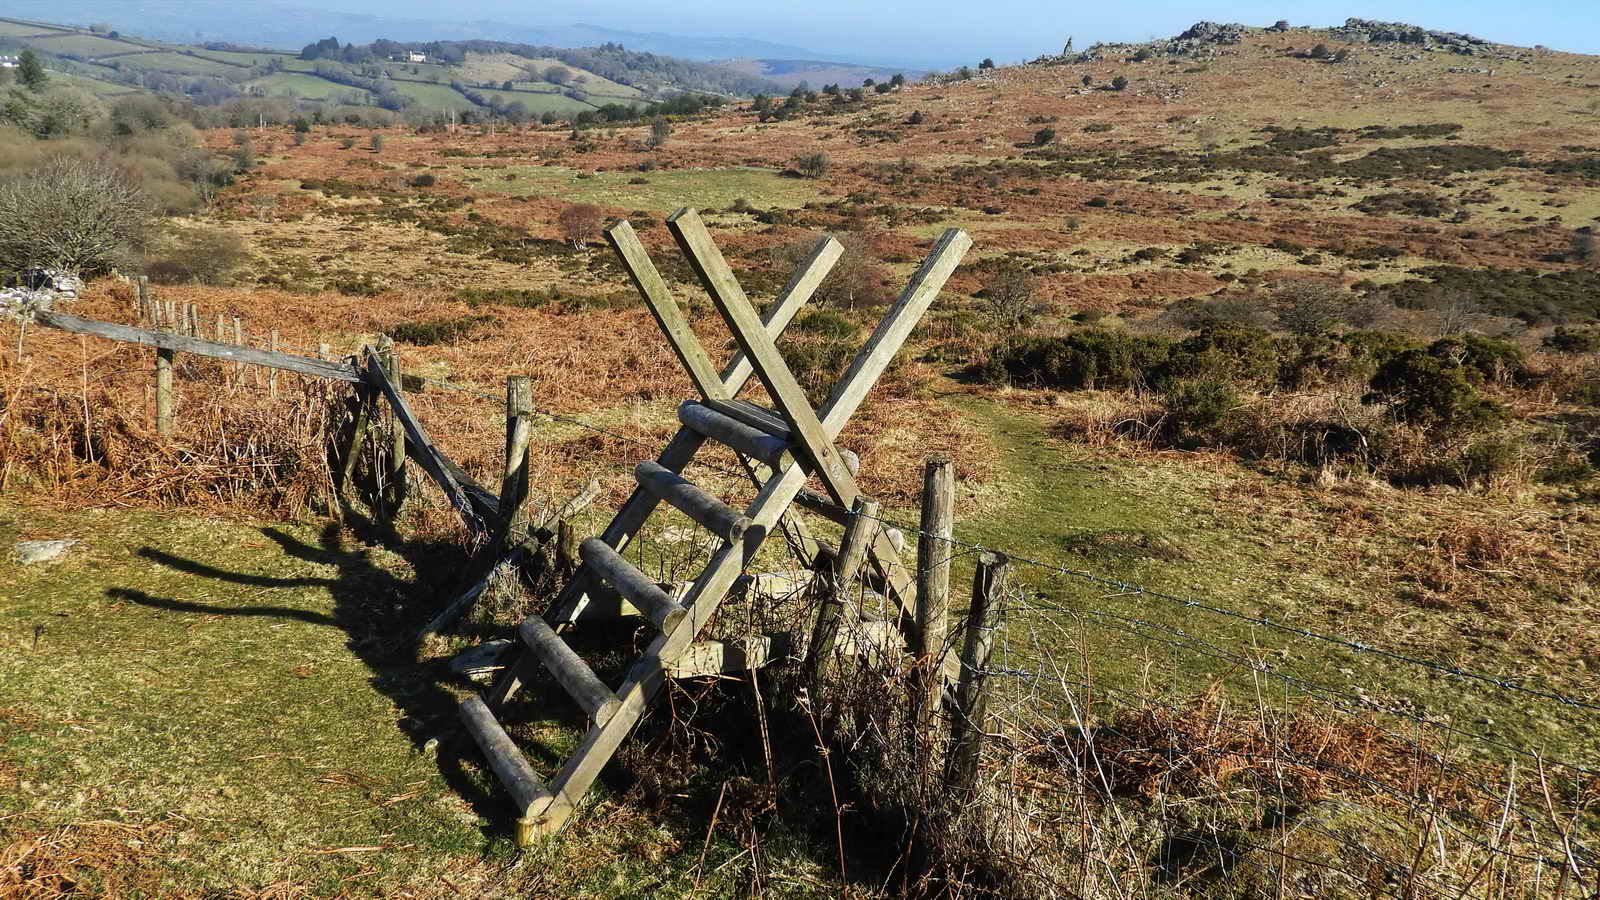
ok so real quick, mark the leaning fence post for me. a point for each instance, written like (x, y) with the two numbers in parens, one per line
(835, 584)
(933, 591)
(514, 484)
(367, 398)
(395, 480)
(967, 726)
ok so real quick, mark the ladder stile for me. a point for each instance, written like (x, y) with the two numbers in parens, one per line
(646, 596)
(717, 517)
(584, 686)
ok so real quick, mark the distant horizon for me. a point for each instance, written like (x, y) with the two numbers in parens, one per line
(889, 33)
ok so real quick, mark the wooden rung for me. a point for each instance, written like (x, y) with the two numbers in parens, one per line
(582, 684)
(715, 516)
(645, 595)
(758, 417)
(725, 657)
(747, 439)
(504, 758)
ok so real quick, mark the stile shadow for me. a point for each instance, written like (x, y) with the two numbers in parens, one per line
(381, 615)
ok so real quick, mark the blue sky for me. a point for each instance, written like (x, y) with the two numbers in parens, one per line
(950, 33)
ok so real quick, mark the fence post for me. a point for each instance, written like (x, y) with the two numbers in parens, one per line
(933, 594)
(164, 362)
(835, 584)
(222, 334)
(146, 314)
(514, 484)
(238, 339)
(358, 433)
(395, 481)
(194, 320)
(967, 726)
(170, 315)
(567, 560)
(272, 375)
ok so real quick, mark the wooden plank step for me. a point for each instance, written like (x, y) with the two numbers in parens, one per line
(508, 763)
(715, 516)
(582, 684)
(748, 440)
(645, 595)
(704, 658)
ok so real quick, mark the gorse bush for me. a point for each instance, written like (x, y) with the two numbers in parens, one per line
(444, 330)
(1433, 390)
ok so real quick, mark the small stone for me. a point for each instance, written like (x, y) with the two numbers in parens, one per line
(31, 552)
(431, 746)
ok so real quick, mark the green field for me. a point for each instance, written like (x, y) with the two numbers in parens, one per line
(432, 96)
(538, 104)
(10, 29)
(83, 45)
(243, 59)
(179, 63)
(95, 86)
(309, 87)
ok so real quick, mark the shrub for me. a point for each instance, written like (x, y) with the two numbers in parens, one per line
(84, 217)
(1196, 407)
(1044, 136)
(444, 330)
(424, 181)
(1243, 356)
(1008, 299)
(347, 143)
(825, 323)
(1492, 360)
(1084, 360)
(1119, 83)
(812, 165)
(578, 223)
(1574, 340)
(1423, 389)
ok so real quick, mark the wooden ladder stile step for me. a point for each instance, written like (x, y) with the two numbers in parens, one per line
(582, 684)
(526, 787)
(715, 516)
(645, 595)
(757, 417)
(772, 452)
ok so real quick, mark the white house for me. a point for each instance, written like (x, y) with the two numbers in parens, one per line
(8, 62)
(416, 57)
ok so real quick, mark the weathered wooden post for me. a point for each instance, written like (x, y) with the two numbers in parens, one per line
(164, 362)
(514, 484)
(967, 725)
(221, 331)
(272, 376)
(394, 487)
(567, 559)
(858, 534)
(933, 594)
(366, 399)
(146, 310)
(193, 311)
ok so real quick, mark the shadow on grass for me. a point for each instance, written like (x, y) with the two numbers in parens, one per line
(381, 615)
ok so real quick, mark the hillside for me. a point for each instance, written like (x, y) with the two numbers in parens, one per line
(515, 80)
(1271, 375)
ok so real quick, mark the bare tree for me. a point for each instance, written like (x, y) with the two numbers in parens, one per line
(83, 217)
(1455, 312)
(1310, 307)
(578, 223)
(1008, 299)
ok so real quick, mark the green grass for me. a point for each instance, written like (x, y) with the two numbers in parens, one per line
(83, 45)
(1160, 525)
(539, 103)
(243, 59)
(665, 191)
(432, 96)
(179, 63)
(308, 87)
(9, 29)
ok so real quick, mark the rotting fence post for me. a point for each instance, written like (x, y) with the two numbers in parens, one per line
(514, 483)
(164, 363)
(146, 311)
(852, 555)
(967, 726)
(394, 486)
(933, 596)
(366, 399)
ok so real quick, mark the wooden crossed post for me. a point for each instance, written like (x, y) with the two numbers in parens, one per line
(790, 443)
